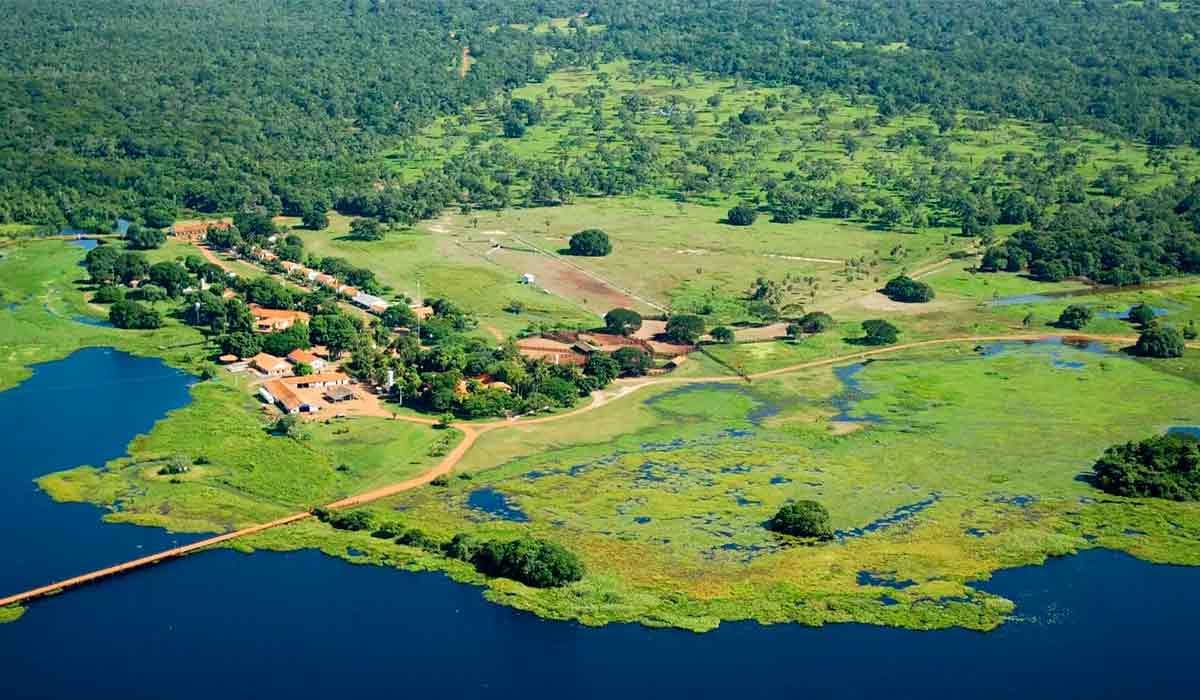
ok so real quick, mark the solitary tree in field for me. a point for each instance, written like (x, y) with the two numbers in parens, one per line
(723, 334)
(1159, 341)
(741, 215)
(879, 332)
(803, 519)
(366, 230)
(590, 242)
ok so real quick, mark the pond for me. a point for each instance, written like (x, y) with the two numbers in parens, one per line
(83, 409)
(85, 243)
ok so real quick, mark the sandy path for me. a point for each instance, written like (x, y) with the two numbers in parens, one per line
(472, 431)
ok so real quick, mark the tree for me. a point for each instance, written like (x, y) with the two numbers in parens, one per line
(1075, 317)
(131, 266)
(314, 219)
(879, 332)
(907, 290)
(1141, 315)
(513, 128)
(335, 331)
(254, 225)
(741, 215)
(816, 322)
(280, 343)
(634, 362)
(603, 368)
(171, 276)
(802, 519)
(397, 316)
(241, 344)
(131, 314)
(1159, 341)
(366, 230)
(223, 238)
(101, 264)
(140, 238)
(535, 563)
(1163, 466)
(723, 334)
(685, 329)
(590, 242)
(622, 321)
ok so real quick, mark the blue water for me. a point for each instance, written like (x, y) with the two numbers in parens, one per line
(1123, 315)
(85, 243)
(83, 409)
(494, 503)
(1193, 430)
(302, 625)
(851, 394)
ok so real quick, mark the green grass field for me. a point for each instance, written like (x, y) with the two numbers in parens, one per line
(242, 474)
(43, 303)
(664, 498)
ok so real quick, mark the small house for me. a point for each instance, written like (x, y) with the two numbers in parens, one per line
(270, 365)
(528, 278)
(304, 357)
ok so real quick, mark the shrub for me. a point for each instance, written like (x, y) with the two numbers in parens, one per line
(741, 215)
(530, 561)
(1164, 466)
(1159, 341)
(879, 332)
(622, 321)
(1075, 316)
(108, 294)
(802, 519)
(590, 242)
(1141, 315)
(685, 328)
(908, 290)
(416, 538)
(353, 521)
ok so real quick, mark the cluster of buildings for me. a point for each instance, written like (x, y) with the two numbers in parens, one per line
(307, 394)
(195, 231)
(573, 348)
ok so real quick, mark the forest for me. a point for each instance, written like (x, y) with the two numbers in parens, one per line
(283, 107)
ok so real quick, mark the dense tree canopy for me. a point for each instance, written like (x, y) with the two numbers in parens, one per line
(907, 289)
(622, 321)
(1159, 341)
(590, 242)
(1140, 238)
(879, 332)
(1074, 317)
(534, 562)
(1164, 466)
(802, 519)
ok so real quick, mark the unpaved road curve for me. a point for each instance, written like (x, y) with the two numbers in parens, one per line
(472, 431)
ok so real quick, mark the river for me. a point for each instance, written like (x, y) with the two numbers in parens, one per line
(301, 625)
